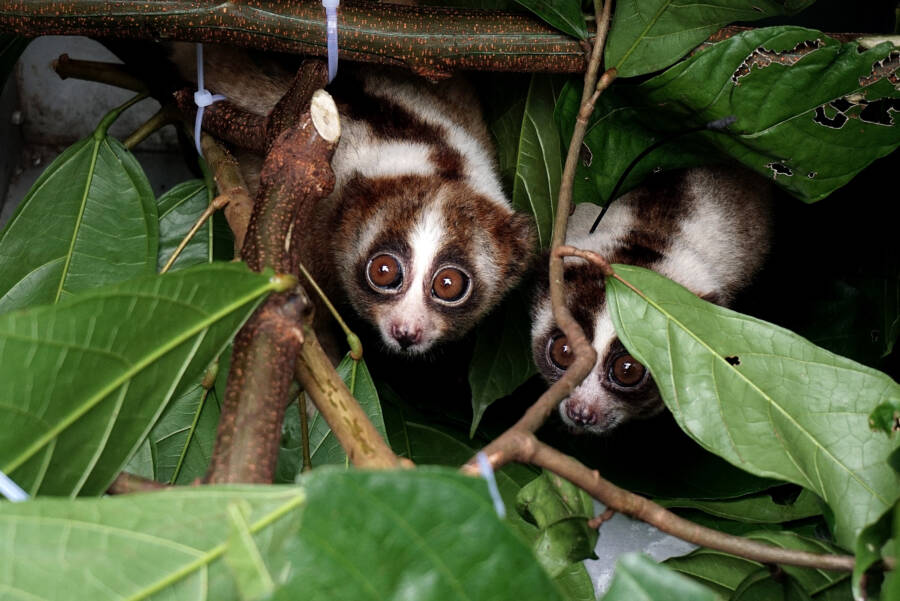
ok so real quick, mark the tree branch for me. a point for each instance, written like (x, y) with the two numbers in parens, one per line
(428, 40)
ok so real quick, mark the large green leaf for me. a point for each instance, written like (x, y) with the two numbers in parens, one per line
(86, 379)
(760, 396)
(809, 143)
(423, 534)
(539, 157)
(639, 577)
(164, 545)
(724, 573)
(179, 209)
(564, 15)
(89, 220)
(868, 548)
(501, 361)
(649, 35)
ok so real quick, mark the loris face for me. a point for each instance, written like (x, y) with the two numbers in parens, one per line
(423, 258)
(618, 388)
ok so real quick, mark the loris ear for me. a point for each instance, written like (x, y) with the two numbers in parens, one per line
(516, 236)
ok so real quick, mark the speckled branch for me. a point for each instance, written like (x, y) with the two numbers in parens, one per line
(431, 41)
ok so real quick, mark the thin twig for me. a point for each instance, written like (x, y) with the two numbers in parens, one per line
(112, 74)
(525, 447)
(167, 115)
(126, 483)
(304, 433)
(218, 202)
(353, 341)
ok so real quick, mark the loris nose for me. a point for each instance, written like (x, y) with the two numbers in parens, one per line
(581, 414)
(405, 335)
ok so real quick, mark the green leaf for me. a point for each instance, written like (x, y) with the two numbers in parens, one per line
(724, 573)
(89, 220)
(639, 577)
(85, 380)
(163, 545)
(761, 586)
(891, 589)
(810, 144)
(11, 46)
(244, 560)
(539, 158)
(323, 446)
(886, 417)
(179, 209)
(501, 361)
(180, 445)
(762, 397)
(758, 509)
(425, 534)
(561, 512)
(868, 548)
(650, 35)
(565, 15)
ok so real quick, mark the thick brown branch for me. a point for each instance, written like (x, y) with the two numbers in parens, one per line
(429, 40)
(126, 483)
(258, 391)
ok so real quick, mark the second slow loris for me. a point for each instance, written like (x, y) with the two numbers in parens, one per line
(706, 228)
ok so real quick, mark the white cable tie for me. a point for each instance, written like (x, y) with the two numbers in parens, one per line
(487, 472)
(202, 98)
(11, 490)
(331, 29)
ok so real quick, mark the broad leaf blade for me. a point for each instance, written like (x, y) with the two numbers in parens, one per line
(779, 133)
(539, 158)
(565, 15)
(427, 534)
(89, 220)
(86, 379)
(165, 545)
(650, 35)
(762, 397)
(639, 577)
(756, 509)
(725, 573)
(179, 209)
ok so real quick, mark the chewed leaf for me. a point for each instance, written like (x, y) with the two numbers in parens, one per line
(788, 410)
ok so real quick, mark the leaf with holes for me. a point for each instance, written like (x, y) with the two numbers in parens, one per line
(89, 220)
(810, 144)
(760, 396)
(650, 35)
(85, 380)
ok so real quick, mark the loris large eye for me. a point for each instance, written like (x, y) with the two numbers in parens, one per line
(451, 285)
(559, 352)
(624, 371)
(384, 272)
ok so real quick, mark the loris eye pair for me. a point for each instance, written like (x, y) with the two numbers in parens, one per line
(623, 371)
(449, 284)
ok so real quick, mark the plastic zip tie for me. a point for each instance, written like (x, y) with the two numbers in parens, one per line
(202, 98)
(11, 490)
(487, 472)
(331, 30)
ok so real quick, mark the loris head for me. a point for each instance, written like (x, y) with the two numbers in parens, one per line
(619, 388)
(423, 258)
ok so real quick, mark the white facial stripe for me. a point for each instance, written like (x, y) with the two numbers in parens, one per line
(478, 165)
(425, 242)
(604, 333)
